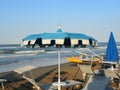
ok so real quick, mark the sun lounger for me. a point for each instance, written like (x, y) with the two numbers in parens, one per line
(110, 65)
(96, 83)
(86, 69)
(23, 71)
(30, 78)
(111, 74)
(2, 81)
(114, 76)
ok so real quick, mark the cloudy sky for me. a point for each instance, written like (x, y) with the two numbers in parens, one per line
(96, 18)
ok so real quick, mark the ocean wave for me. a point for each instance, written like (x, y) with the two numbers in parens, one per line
(9, 46)
(62, 51)
(29, 52)
(13, 56)
(102, 47)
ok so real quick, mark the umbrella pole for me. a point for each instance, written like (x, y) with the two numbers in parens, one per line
(59, 87)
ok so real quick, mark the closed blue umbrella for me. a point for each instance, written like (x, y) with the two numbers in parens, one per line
(112, 52)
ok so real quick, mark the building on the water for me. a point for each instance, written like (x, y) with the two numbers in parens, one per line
(63, 39)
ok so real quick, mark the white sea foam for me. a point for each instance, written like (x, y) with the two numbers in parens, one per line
(9, 46)
(29, 51)
(13, 56)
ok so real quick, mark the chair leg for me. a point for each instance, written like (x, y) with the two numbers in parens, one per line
(2, 86)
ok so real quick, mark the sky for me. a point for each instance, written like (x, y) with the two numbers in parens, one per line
(96, 18)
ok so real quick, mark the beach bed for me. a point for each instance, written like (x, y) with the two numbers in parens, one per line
(114, 77)
(23, 71)
(95, 82)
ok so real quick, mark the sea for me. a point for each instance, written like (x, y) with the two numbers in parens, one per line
(13, 56)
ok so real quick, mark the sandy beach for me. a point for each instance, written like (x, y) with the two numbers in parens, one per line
(45, 75)
(42, 75)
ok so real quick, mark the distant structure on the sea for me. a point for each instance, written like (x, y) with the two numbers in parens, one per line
(63, 39)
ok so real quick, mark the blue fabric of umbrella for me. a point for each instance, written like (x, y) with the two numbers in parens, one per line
(112, 52)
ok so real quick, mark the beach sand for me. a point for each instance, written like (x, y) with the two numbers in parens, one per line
(44, 75)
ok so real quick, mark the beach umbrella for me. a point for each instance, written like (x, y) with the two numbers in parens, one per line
(59, 39)
(65, 39)
(112, 52)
